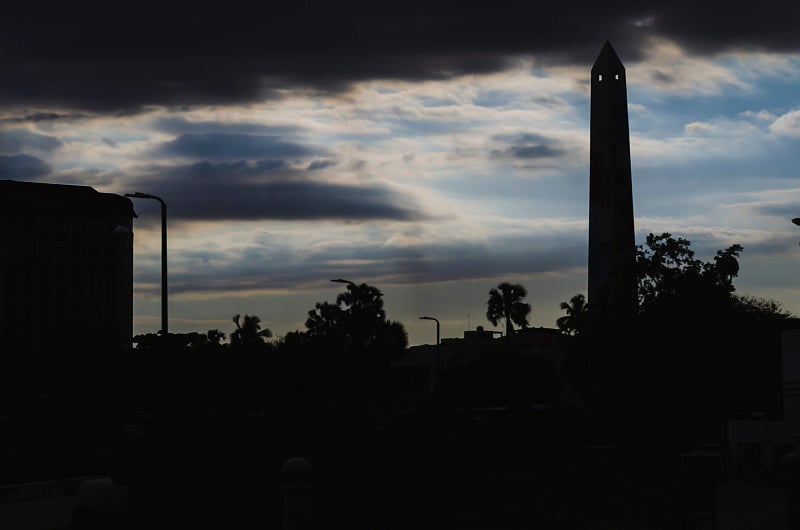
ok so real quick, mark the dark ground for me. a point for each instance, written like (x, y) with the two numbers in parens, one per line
(495, 474)
(523, 502)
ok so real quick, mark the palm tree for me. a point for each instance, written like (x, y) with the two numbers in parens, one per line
(576, 321)
(215, 336)
(505, 303)
(249, 331)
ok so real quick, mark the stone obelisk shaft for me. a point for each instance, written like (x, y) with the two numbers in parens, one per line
(612, 281)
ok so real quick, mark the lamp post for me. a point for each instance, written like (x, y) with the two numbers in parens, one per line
(436, 384)
(138, 195)
(339, 280)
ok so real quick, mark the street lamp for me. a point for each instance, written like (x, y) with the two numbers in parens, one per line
(339, 280)
(436, 385)
(138, 195)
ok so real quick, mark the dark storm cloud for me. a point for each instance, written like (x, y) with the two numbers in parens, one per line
(293, 201)
(707, 27)
(222, 146)
(15, 141)
(267, 189)
(22, 167)
(43, 117)
(57, 55)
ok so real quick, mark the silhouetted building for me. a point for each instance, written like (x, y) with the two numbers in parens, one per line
(415, 372)
(66, 266)
(612, 258)
(477, 335)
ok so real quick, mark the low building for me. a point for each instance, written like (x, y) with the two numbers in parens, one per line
(415, 376)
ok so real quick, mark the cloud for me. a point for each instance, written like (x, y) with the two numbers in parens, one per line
(782, 210)
(227, 146)
(711, 27)
(242, 53)
(320, 164)
(181, 125)
(41, 117)
(13, 141)
(526, 147)
(533, 151)
(698, 128)
(761, 115)
(22, 167)
(268, 189)
(296, 200)
(787, 124)
(667, 66)
(274, 264)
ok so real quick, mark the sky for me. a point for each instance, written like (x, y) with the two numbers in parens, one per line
(430, 151)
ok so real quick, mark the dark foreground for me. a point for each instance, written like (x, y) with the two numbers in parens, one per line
(421, 472)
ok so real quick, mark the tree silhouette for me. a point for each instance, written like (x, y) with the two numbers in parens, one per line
(215, 336)
(356, 322)
(323, 324)
(248, 331)
(673, 284)
(506, 304)
(761, 309)
(362, 314)
(576, 321)
(353, 345)
(718, 351)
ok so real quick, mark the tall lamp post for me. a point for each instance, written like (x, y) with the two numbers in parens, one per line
(339, 280)
(138, 195)
(436, 385)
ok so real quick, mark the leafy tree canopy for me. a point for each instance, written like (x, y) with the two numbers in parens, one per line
(357, 321)
(671, 282)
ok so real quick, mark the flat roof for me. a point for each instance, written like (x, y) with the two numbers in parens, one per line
(40, 198)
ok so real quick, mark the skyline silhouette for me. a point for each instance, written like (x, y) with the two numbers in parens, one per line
(433, 173)
(650, 413)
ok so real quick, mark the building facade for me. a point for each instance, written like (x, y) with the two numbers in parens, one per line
(66, 266)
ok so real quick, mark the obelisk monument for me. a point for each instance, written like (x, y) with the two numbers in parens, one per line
(612, 256)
